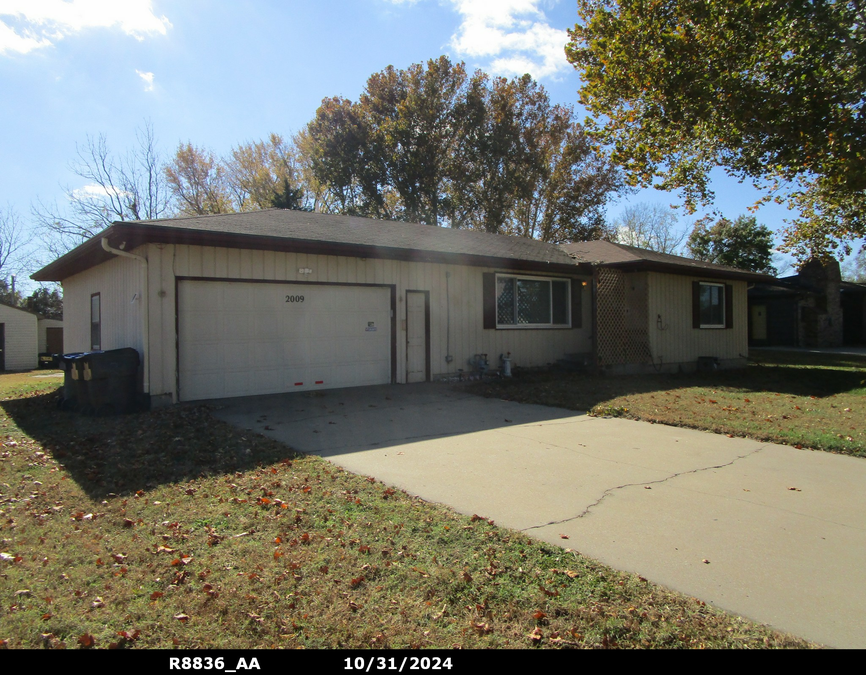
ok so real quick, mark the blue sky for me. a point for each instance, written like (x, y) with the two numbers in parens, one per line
(218, 73)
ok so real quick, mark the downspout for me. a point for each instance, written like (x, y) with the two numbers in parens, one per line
(144, 312)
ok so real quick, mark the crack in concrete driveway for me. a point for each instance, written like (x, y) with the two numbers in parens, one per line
(766, 531)
(611, 490)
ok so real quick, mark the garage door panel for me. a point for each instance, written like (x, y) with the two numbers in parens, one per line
(269, 380)
(211, 358)
(202, 385)
(235, 295)
(323, 350)
(322, 323)
(295, 378)
(203, 326)
(236, 382)
(294, 352)
(242, 338)
(292, 327)
(236, 327)
(268, 353)
(265, 327)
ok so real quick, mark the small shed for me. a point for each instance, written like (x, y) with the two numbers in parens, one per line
(18, 338)
(50, 335)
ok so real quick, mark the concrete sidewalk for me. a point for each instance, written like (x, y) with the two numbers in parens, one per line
(766, 531)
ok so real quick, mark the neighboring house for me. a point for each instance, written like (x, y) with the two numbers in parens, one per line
(18, 338)
(50, 336)
(814, 308)
(277, 300)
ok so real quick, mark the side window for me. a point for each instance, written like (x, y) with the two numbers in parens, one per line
(712, 302)
(712, 305)
(95, 322)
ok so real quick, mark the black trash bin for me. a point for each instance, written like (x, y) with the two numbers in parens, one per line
(111, 380)
(69, 400)
(48, 360)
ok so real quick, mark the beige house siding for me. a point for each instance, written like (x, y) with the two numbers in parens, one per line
(458, 285)
(20, 338)
(119, 283)
(673, 340)
(45, 324)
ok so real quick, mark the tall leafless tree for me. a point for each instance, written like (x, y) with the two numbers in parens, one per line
(649, 226)
(125, 187)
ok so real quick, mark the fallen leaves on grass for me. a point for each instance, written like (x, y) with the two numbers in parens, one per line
(86, 640)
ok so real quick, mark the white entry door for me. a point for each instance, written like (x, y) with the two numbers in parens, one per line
(243, 339)
(416, 336)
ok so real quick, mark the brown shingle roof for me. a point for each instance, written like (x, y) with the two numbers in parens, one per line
(353, 230)
(621, 256)
(279, 229)
(328, 234)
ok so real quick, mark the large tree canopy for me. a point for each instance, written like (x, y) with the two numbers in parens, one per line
(772, 90)
(257, 175)
(431, 144)
(743, 244)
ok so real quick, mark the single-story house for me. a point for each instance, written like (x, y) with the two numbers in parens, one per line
(50, 335)
(18, 342)
(277, 300)
(813, 308)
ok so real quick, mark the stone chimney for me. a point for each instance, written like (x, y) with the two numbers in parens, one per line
(821, 316)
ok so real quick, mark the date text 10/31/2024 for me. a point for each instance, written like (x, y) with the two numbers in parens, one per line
(366, 664)
(396, 663)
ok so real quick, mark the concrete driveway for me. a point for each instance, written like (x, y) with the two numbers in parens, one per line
(766, 531)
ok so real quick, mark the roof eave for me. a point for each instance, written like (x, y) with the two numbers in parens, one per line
(132, 235)
(686, 270)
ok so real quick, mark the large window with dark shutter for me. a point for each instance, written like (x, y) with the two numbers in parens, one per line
(532, 302)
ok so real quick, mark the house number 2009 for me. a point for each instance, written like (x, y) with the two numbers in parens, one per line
(294, 298)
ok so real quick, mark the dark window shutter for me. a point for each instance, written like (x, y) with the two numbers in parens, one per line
(489, 302)
(729, 306)
(696, 304)
(576, 303)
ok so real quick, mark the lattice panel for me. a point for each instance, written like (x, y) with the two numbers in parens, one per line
(622, 311)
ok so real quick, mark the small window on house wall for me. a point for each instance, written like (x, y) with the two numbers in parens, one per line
(531, 302)
(95, 322)
(712, 305)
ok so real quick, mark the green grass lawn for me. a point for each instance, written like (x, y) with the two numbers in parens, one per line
(815, 401)
(172, 529)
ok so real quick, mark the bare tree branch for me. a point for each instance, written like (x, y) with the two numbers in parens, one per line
(649, 226)
(131, 187)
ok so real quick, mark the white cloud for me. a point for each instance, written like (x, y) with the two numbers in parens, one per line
(26, 24)
(514, 31)
(23, 43)
(148, 79)
(96, 191)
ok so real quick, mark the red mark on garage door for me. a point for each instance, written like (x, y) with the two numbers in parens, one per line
(320, 382)
(298, 384)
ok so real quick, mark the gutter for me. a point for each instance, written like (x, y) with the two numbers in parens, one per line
(144, 313)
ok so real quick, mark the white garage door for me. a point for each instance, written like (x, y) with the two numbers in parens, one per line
(243, 339)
